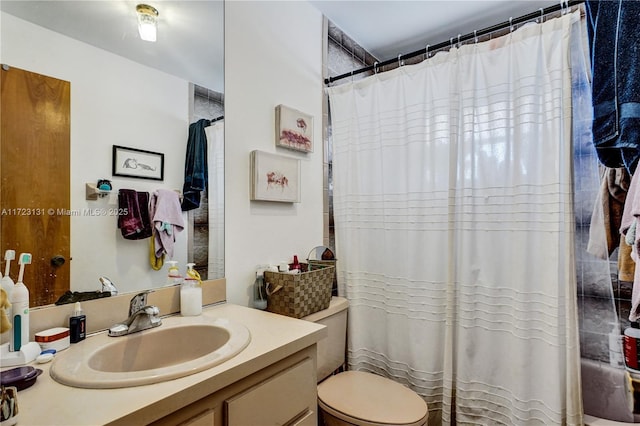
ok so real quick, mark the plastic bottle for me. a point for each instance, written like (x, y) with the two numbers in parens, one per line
(632, 347)
(8, 284)
(295, 265)
(20, 301)
(77, 324)
(173, 274)
(191, 293)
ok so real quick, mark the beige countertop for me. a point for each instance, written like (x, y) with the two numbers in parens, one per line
(273, 337)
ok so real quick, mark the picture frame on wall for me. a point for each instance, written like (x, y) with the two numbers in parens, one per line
(294, 129)
(274, 177)
(137, 163)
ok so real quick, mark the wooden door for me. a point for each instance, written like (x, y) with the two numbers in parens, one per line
(34, 179)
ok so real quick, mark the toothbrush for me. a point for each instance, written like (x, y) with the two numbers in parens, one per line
(25, 259)
(9, 255)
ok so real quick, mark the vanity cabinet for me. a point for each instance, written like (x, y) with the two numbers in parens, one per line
(283, 393)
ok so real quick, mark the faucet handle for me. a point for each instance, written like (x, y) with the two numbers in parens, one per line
(138, 302)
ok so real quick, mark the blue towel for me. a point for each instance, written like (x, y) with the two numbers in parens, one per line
(615, 60)
(195, 169)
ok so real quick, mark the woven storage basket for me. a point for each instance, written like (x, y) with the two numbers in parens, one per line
(299, 295)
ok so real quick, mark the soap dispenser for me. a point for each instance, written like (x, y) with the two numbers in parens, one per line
(173, 274)
(191, 293)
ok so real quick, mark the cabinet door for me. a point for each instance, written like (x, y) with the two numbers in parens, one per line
(202, 419)
(281, 399)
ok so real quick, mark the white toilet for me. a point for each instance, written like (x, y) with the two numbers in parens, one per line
(356, 397)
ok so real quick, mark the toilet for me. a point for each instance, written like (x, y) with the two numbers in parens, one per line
(357, 397)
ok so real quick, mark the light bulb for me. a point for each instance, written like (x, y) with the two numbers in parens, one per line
(147, 21)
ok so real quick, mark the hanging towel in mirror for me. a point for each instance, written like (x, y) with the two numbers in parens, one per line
(135, 223)
(195, 168)
(166, 216)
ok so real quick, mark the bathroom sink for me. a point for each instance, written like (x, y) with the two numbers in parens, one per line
(178, 348)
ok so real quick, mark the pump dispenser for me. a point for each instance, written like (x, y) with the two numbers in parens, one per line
(191, 293)
(77, 324)
(173, 275)
(20, 308)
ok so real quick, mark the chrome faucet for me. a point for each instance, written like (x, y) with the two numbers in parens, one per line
(107, 285)
(141, 317)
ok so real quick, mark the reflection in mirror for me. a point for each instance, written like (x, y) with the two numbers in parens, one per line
(121, 91)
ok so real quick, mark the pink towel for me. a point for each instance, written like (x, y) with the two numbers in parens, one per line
(166, 216)
(630, 218)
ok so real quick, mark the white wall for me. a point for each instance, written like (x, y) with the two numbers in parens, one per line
(273, 55)
(114, 101)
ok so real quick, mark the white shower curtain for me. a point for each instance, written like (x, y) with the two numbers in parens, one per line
(215, 194)
(454, 228)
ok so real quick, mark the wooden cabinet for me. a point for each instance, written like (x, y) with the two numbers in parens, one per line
(283, 393)
(279, 400)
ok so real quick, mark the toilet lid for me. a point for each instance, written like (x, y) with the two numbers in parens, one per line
(372, 398)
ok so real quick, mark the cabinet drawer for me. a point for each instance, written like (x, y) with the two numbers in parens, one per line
(278, 400)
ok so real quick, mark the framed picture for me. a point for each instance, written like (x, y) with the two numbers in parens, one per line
(294, 129)
(274, 178)
(137, 163)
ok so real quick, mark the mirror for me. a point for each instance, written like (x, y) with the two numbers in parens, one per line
(131, 93)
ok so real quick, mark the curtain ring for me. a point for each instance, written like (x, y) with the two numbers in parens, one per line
(458, 45)
(475, 36)
(541, 15)
(375, 67)
(400, 62)
(352, 76)
(511, 24)
(426, 51)
(451, 43)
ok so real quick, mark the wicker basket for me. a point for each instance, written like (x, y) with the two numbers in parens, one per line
(299, 295)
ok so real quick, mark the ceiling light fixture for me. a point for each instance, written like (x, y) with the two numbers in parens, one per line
(147, 21)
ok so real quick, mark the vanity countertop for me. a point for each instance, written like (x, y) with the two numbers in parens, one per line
(273, 337)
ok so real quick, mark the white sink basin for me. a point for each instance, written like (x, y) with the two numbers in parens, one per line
(175, 349)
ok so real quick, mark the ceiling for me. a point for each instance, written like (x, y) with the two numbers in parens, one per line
(389, 28)
(190, 41)
(191, 32)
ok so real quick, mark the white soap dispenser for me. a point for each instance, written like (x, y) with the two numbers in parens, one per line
(173, 274)
(20, 307)
(191, 293)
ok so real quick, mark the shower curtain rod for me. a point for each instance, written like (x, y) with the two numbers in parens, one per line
(461, 38)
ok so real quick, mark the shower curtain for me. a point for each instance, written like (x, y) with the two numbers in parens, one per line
(454, 228)
(215, 194)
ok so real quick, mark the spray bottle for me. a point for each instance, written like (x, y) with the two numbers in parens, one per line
(20, 301)
(191, 293)
(7, 285)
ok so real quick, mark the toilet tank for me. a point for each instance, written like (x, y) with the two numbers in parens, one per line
(331, 350)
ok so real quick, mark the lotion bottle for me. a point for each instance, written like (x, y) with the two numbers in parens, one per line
(20, 308)
(77, 324)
